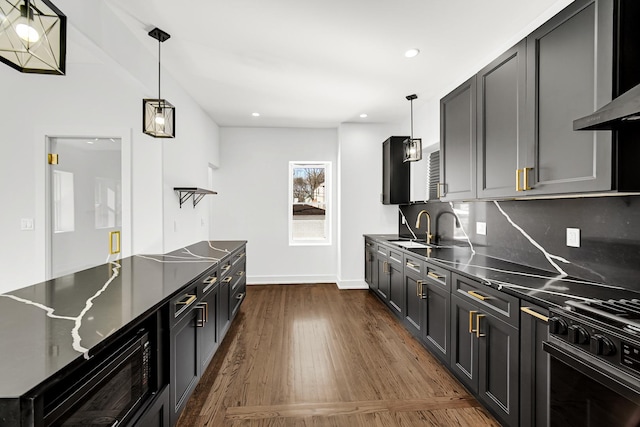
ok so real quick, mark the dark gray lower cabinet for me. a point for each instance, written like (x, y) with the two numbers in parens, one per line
(534, 367)
(413, 286)
(157, 415)
(209, 331)
(436, 323)
(485, 357)
(369, 262)
(184, 361)
(396, 285)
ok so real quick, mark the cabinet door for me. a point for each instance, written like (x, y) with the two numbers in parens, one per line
(209, 338)
(413, 284)
(395, 172)
(369, 260)
(569, 75)
(534, 367)
(501, 122)
(184, 361)
(157, 415)
(437, 321)
(396, 288)
(224, 312)
(458, 143)
(382, 267)
(464, 345)
(498, 354)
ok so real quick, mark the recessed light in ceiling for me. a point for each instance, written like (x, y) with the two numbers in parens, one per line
(255, 114)
(412, 53)
(364, 115)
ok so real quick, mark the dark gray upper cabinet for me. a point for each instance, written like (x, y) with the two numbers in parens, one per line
(458, 143)
(395, 172)
(569, 75)
(501, 122)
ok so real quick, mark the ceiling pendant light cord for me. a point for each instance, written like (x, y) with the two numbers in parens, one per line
(412, 119)
(159, 61)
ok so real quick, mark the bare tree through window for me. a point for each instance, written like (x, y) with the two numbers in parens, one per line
(309, 202)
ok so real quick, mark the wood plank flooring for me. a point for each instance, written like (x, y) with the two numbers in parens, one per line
(312, 355)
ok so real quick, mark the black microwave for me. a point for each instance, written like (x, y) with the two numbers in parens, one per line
(112, 392)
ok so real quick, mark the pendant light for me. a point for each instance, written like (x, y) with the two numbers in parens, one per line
(158, 115)
(33, 36)
(412, 146)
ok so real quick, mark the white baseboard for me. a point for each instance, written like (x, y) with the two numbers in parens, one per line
(290, 280)
(352, 284)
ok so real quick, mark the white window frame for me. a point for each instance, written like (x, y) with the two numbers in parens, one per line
(328, 199)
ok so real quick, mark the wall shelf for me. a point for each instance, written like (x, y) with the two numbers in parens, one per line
(196, 193)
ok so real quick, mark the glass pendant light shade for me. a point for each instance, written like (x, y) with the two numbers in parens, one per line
(158, 115)
(412, 146)
(412, 150)
(33, 35)
(159, 118)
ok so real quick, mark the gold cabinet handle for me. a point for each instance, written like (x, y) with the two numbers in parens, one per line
(525, 173)
(471, 313)
(478, 334)
(240, 296)
(204, 317)
(518, 180)
(535, 314)
(419, 284)
(385, 267)
(240, 273)
(210, 279)
(478, 296)
(188, 301)
(412, 265)
(227, 279)
(226, 267)
(117, 235)
(422, 295)
(434, 275)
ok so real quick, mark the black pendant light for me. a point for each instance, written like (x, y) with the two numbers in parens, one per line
(158, 115)
(33, 36)
(412, 146)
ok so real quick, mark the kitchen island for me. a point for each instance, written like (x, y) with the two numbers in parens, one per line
(52, 330)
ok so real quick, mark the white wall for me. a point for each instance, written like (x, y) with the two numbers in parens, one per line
(109, 72)
(252, 203)
(360, 188)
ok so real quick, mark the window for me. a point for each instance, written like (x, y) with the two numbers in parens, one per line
(309, 203)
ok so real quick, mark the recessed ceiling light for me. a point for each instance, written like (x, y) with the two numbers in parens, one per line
(364, 115)
(255, 114)
(411, 53)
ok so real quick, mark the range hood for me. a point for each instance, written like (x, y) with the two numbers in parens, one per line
(623, 109)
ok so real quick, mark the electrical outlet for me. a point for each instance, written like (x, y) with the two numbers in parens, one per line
(481, 228)
(404, 220)
(573, 237)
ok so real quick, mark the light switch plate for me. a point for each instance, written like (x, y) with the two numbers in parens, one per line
(481, 228)
(573, 237)
(26, 224)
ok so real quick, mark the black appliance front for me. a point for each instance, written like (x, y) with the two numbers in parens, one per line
(585, 393)
(112, 393)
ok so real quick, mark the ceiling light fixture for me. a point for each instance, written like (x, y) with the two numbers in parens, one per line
(412, 146)
(33, 36)
(255, 114)
(158, 115)
(364, 115)
(412, 53)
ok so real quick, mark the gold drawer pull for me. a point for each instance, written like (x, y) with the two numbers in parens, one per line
(240, 273)
(471, 313)
(210, 280)
(478, 334)
(478, 296)
(537, 315)
(227, 279)
(188, 301)
(239, 296)
(226, 267)
(412, 265)
(434, 275)
(518, 180)
(525, 172)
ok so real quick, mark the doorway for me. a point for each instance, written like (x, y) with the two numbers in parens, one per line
(84, 203)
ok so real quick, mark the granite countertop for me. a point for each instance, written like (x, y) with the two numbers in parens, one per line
(537, 286)
(47, 326)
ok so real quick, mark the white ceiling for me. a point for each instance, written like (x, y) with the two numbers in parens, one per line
(319, 63)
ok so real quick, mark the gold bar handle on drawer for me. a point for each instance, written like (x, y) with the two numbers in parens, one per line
(434, 275)
(240, 296)
(187, 301)
(525, 173)
(412, 265)
(537, 315)
(226, 267)
(240, 273)
(518, 180)
(471, 313)
(478, 296)
(478, 317)
(418, 286)
(227, 279)
(210, 280)
(204, 317)
(117, 236)
(385, 267)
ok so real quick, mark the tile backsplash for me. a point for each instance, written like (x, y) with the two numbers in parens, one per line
(534, 233)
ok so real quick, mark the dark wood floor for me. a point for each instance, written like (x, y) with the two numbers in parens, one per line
(312, 355)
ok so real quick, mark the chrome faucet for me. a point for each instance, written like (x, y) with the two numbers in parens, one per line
(429, 235)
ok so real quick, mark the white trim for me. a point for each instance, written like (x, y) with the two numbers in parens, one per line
(352, 284)
(41, 138)
(328, 203)
(290, 280)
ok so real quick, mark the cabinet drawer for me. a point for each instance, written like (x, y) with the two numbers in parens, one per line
(413, 264)
(238, 296)
(236, 258)
(225, 268)
(437, 276)
(501, 305)
(395, 257)
(209, 281)
(182, 304)
(237, 276)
